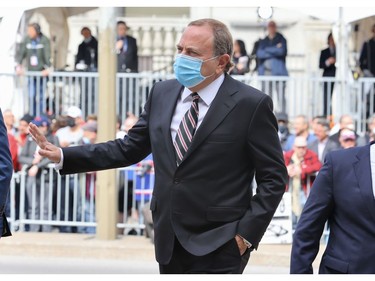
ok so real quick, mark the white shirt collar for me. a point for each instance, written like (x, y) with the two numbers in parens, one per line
(208, 93)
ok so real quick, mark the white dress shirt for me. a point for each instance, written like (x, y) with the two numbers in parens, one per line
(206, 95)
(372, 162)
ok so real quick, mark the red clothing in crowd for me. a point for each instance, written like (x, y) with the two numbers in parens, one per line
(22, 139)
(309, 165)
(13, 147)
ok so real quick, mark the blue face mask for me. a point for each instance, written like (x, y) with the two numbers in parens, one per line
(188, 70)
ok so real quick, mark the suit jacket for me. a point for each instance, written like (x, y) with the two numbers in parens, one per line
(6, 173)
(366, 58)
(328, 71)
(127, 61)
(342, 195)
(207, 199)
(331, 145)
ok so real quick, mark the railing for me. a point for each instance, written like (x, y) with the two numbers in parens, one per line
(50, 202)
(67, 203)
(294, 95)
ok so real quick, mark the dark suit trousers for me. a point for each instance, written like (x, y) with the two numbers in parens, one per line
(226, 259)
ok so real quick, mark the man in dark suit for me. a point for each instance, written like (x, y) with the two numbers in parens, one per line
(367, 65)
(206, 219)
(127, 50)
(327, 62)
(87, 60)
(343, 195)
(127, 62)
(6, 172)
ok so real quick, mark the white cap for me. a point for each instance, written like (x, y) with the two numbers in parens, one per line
(74, 112)
(347, 134)
(300, 141)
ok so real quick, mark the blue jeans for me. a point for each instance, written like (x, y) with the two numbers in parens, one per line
(67, 202)
(36, 95)
(89, 217)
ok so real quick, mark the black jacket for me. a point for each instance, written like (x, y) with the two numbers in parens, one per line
(328, 71)
(84, 53)
(207, 199)
(127, 61)
(367, 56)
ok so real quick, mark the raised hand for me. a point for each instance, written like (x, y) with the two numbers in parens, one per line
(47, 149)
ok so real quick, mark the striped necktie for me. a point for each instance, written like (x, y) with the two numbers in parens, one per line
(186, 130)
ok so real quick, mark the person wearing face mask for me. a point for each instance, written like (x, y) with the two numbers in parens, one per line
(209, 135)
(72, 133)
(283, 132)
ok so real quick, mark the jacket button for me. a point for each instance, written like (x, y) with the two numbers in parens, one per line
(176, 181)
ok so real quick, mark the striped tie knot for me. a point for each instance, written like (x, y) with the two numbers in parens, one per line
(186, 130)
(195, 97)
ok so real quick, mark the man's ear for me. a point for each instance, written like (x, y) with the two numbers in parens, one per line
(223, 61)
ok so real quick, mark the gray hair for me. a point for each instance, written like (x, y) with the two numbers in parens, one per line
(223, 41)
(324, 123)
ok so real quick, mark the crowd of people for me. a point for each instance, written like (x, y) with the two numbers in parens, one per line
(34, 55)
(304, 149)
(269, 55)
(307, 142)
(267, 58)
(206, 225)
(68, 130)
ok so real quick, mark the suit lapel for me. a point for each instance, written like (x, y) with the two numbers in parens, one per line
(362, 169)
(222, 104)
(168, 110)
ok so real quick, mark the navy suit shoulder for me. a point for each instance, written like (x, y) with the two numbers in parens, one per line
(6, 172)
(341, 154)
(341, 195)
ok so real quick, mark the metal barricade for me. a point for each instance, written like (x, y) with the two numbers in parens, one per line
(50, 202)
(58, 91)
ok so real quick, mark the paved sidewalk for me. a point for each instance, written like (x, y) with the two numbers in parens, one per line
(125, 248)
